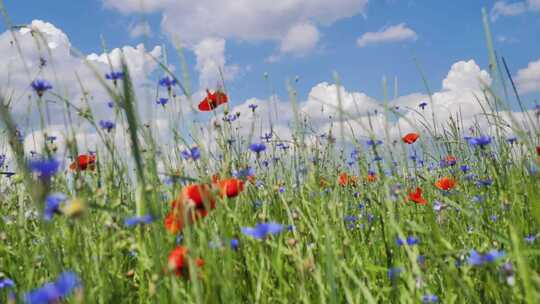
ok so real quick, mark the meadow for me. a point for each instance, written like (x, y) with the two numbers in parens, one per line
(443, 214)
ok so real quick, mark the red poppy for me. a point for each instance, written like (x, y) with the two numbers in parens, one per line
(198, 195)
(344, 179)
(445, 183)
(173, 223)
(231, 187)
(538, 150)
(371, 177)
(410, 138)
(178, 260)
(212, 101)
(83, 162)
(417, 197)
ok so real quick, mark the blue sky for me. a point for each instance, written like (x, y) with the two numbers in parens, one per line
(447, 31)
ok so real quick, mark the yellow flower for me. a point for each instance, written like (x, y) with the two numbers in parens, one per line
(73, 208)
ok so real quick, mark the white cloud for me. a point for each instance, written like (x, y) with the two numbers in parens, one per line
(210, 54)
(505, 9)
(323, 102)
(502, 8)
(241, 19)
(528, 79)
(67, 71)
(465, 75)
(534, 5)
(393, 33)
(300, 39)
(140, 29)
(246, 20)
(364, 115)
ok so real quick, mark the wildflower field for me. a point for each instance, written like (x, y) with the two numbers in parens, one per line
(229, 210)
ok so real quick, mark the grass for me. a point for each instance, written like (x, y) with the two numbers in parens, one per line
(339, 242)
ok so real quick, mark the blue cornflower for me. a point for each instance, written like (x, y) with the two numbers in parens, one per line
(244, 173)
(429, 298)
(373, 142)
(282, 146)
(281, 189)
(394, 272)
(257, 147)
(377, 158)
(162, 101)
(530, 238)
(477, 259)
(477, 199)
(511, 140)
(267, 136)
(252, 107)
(437, 206)
(107, 125)
(464, 168)
(234, 244)
(411, 240)
(46, 168)
(110, 104)
(261, 230)
(484, 182)
(114, 76)
(350, 218)
(167, 82)
(231, 117)
(51, 139)
(192, 153)
(423, 105)
(257, 204)
(41, 86)
(6, 283)
(494, 218)
(138, 220)
(20, 135)
(54, 292)
(480, 141)
(52, 205)
(533, 169)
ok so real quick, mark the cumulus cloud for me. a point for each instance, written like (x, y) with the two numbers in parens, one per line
(47, 53)
(323, 102)
(364, 115)
(211, 63)
(502, 8)
(395, 33)
(506, 9)
(528, 79)
(139, 29)
(300, 39)
(534, 5)
(242, 19)
(293, 24)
